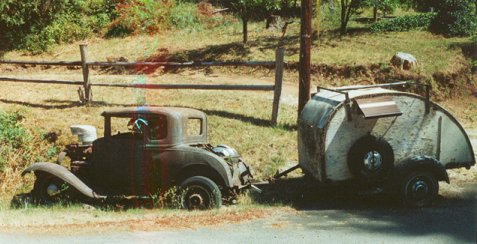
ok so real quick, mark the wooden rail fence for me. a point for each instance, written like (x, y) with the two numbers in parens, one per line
(86, 85)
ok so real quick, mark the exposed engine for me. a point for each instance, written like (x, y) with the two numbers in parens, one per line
(232, 157)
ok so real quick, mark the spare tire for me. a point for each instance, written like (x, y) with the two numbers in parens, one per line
(371, 158)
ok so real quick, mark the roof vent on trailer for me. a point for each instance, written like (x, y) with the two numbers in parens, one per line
(86, 133)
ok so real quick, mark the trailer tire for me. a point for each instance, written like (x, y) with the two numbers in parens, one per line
(419, 189)
(371, 159)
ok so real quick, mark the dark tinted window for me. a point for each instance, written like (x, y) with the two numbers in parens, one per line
(157, 127)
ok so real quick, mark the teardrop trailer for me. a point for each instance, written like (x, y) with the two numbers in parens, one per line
(162, 147)
(399, 142)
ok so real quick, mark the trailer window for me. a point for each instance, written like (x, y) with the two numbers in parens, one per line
(378, 107)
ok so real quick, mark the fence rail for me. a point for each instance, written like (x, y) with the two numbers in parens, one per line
(85, 91)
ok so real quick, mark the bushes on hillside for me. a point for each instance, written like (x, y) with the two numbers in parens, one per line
(36, 24)
(404, 23)
(454, 18)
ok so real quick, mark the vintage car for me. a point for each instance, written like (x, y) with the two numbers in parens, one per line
(161, 147)
(401, 142)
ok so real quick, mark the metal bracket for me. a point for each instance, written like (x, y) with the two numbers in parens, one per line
(393, 83)
(347, 100)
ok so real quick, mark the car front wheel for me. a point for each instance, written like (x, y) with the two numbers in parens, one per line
(48, 189)
(200, 193)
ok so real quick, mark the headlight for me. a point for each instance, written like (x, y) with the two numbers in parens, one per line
(225, 151)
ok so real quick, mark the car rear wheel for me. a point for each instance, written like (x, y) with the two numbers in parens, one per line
(200, 193)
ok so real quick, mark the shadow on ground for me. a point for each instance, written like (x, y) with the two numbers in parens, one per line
(454, 217)
(65, 104)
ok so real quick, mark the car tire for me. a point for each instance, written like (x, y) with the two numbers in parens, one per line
(371, 158)
(47, 189)
(419, 189)
(200, 193)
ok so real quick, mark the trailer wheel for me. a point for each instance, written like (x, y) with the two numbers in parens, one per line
(419, 189)
(200, 193)
(371, 158)
(48, 189)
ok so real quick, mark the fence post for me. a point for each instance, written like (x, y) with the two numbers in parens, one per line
(278, 83)
(86, 98)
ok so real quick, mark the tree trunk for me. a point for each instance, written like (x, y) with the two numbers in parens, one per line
(344, 5)
(375, 11)
(245, 29)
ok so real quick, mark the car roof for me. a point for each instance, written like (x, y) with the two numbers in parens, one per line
(168, 111)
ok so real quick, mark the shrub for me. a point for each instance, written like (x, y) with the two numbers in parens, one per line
(11, 132)
(404, 23)
(141, 16)
(13, 136)
(454, 18)
(184, 15)
(35, 25)
(149, 16)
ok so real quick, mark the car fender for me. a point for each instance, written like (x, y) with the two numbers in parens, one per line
(183, 157)
(64, 174)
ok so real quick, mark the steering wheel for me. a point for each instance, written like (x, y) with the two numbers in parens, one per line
(138, 125)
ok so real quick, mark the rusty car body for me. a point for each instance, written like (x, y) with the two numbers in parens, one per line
(396, 140)
(163, 147)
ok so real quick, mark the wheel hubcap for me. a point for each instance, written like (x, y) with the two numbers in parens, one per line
(196, 200)
(52, 190)
(420, 189)
(373, 160)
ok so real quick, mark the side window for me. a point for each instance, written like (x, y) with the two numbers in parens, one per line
(158, 127)
(194, 127)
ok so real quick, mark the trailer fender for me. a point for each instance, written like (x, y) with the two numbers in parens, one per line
(423, 163)
(64, 174)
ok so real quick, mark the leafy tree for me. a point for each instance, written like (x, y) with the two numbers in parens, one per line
(19, 18)
(348, 8)
(384, 6)
(454, 18)
(36, 24)
(251, 9)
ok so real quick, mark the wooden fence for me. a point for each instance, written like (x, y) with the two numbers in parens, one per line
(86, 85)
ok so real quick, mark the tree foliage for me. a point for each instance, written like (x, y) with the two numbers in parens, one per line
(454, 18)
(252, 10)
(36, 24)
